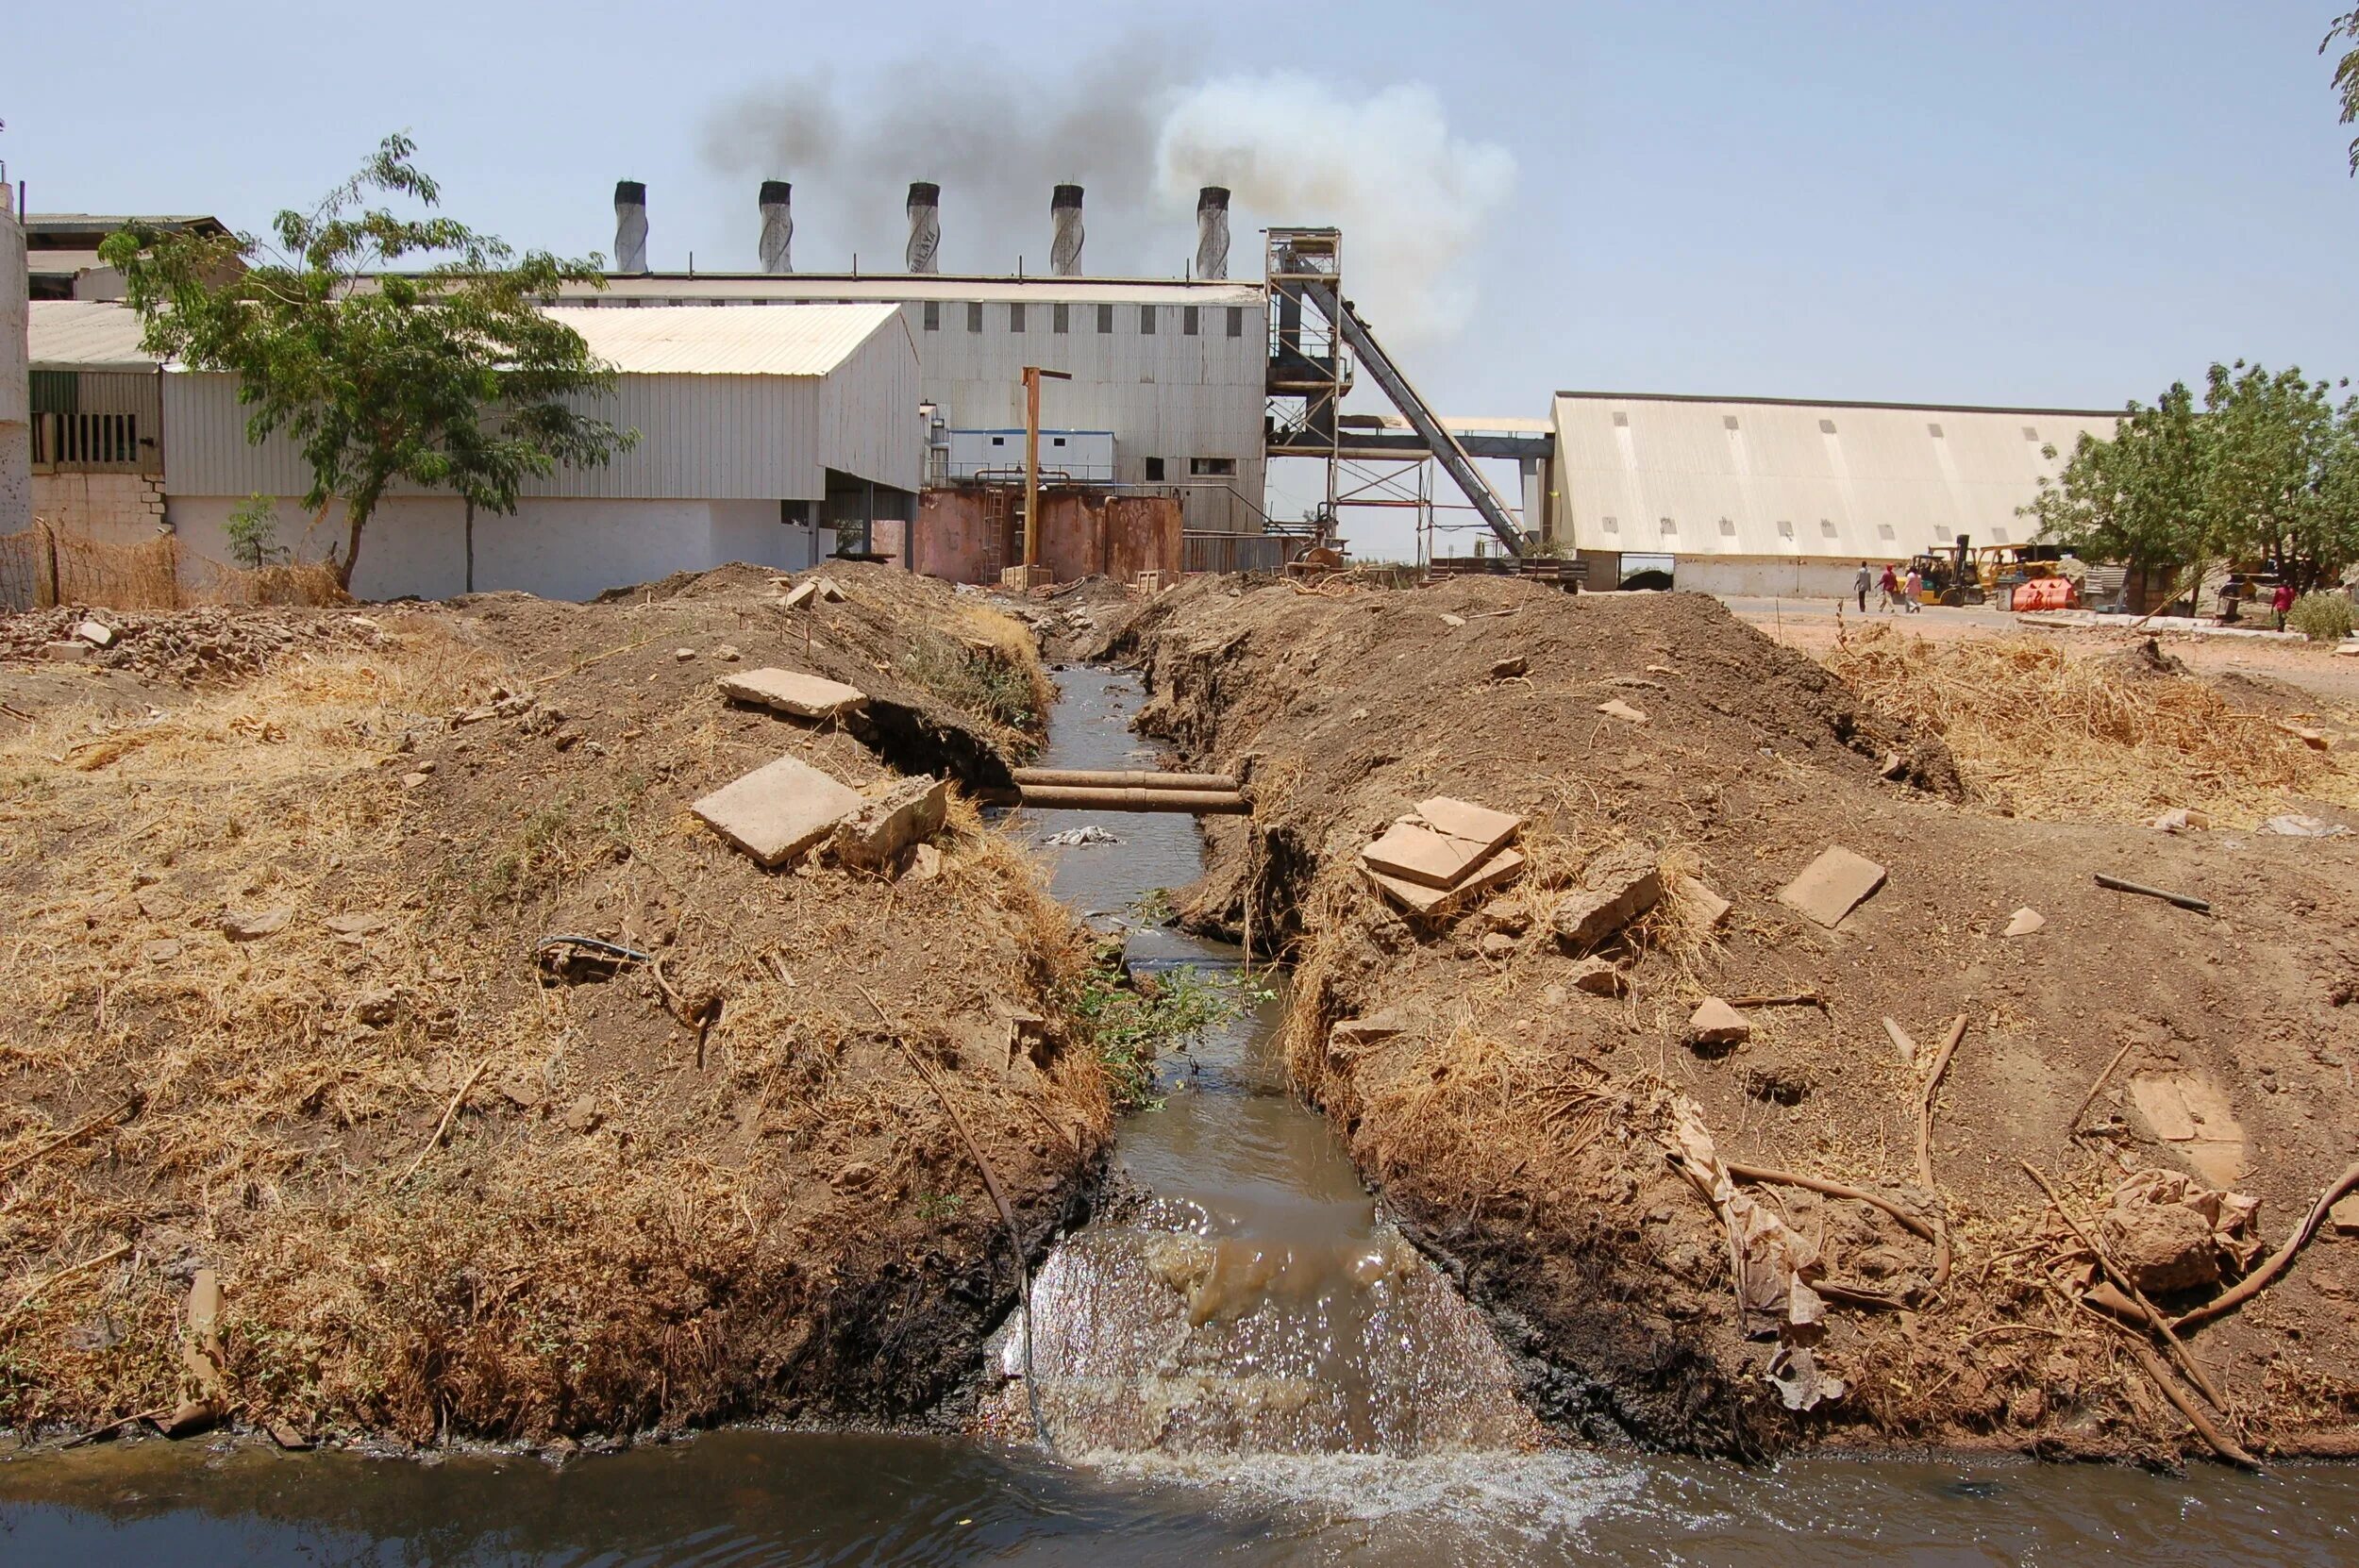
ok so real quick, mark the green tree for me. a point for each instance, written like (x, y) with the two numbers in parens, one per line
(2137, 498)
(2278, 486)
(252, 532)
(391, 349)
(2346, 29)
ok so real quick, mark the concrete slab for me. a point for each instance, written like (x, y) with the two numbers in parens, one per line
(912, 810)
(1419, 854)
(779, 810)
(1501, 868)
(792, 691)
(1832, 886)
(1477, 825)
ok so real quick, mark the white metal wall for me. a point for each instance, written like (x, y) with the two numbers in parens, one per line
(1798, 480)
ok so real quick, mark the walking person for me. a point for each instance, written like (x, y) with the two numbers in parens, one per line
(1912, 590)
(2283, 600)
(1859, 586)
(1888, 591)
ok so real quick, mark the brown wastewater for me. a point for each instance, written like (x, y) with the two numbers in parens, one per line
(1243, 1365)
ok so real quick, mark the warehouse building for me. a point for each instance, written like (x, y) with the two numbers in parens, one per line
(1752, 496)
(760, 433)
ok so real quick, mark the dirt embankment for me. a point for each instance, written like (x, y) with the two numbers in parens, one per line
(283, 1013)
(1521, 1125)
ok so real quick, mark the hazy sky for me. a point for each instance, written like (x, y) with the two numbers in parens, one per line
(1970, 203)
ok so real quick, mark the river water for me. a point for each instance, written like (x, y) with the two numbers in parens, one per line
(1251, 1370)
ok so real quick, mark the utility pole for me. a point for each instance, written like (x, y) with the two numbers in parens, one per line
(1033, 374)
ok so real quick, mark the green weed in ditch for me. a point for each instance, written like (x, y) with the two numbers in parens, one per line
(970, 679)
(1129, 1024)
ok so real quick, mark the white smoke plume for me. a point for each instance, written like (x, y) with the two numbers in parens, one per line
(1412, 200)
(1141, 131)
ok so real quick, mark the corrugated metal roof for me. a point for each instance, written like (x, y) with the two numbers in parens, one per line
(52, 262)
(697, 340)
(694, 340)
(1795, 479)
(85, 335)
(911, 285)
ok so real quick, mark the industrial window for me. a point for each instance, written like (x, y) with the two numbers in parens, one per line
(975, 317)
(1785, 529)
(1670, 528)
(1612, 525)
(1944, 534)
(1154, 470)
(1016, 318)
(1105, 318)
(1621, 421)
(1883, 530)
(1728, 529)
(1933, 430)
(998, 440)
(1146, 320)
(1827, 426)
(1728, 422)
(1826, 527)
(934, 315)
(1236, 321)
(1060, 318)
(1188, 321)
(1219, 468)
(2031, 432)
(1999, 536)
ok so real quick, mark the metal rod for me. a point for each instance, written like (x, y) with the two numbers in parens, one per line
(2186, 901)
(1066, 797)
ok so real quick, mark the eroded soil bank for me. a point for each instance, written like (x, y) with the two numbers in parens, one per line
(1519, 1123)
(278, 893)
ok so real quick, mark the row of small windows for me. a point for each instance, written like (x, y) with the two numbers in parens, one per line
(1061, 318)
(1826, 426)
(1668, 527)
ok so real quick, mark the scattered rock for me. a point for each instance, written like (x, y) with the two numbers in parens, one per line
(1618, 886)
(289, 1436)
(1698, 907)
(726, 653)
(792, 692)
(1497, 945)
(377, 1008)
(779, 810)
(358, 923)
(2024, 921)
(1507, 669)
(414, 780)
(925, 863)
(1832, 886)
(584, 1115)
(2162, 1247)
(910, 810)
(1353, 1035)
(162, 950)
(1450, 620)
(2181, 819)
(254, 925)
(854, 1177)
(683, 655)
(1715, 1023)
(1599, 979)
(1614, 707)
(2294, 825)
(2344, 1216)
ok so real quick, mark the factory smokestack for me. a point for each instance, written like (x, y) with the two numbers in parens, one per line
(777, 225)
(1064, 231)
(630, 227)
(1211, 231)
(924, 207)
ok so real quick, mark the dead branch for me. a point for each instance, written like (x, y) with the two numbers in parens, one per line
(1925, 1150)
(2222, 1444)
(1786, 999)
(1902, 1043)
(2073, 1124)
(128, 1105)
(1763, 1174)
(443, 1127)
(2260, 1279)
(2137, 1297)
(66, 1273)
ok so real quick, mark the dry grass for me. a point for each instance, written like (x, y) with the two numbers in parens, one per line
(45, 565)
(2059, 737)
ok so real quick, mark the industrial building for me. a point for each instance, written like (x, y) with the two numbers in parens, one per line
(758, 432)
(1755, 495)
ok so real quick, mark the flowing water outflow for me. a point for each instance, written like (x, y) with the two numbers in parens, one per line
(1256, 1303)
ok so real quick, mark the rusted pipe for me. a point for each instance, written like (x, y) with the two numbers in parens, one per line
(1114, 778)
(1075, 798)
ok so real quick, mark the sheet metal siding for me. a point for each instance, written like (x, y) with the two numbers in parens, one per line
(818, 287)
(1879, 469)
(701, 436)
(74, 334)
(808, 339)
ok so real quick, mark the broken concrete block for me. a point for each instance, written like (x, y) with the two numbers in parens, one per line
(802, 593)
(1417, 854)
(779, 810)
(792, 692)
(1618, 709)
(2162, 1107)
(254, 925)
(1832, 886)
(828, 590)
(1469, 823)
(2024, 921)
(1715, 1023)
(2343, 1218)
(913, 809)
(1698, 907)
(1502, 867)
(1354, 1035)
(97, 633)
(65, 652)
(925, 864)
(1617, 887)
(1497, 945)
(1450, 620)
(1599, 979)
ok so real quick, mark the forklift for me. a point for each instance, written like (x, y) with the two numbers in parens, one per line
(1948, 579)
